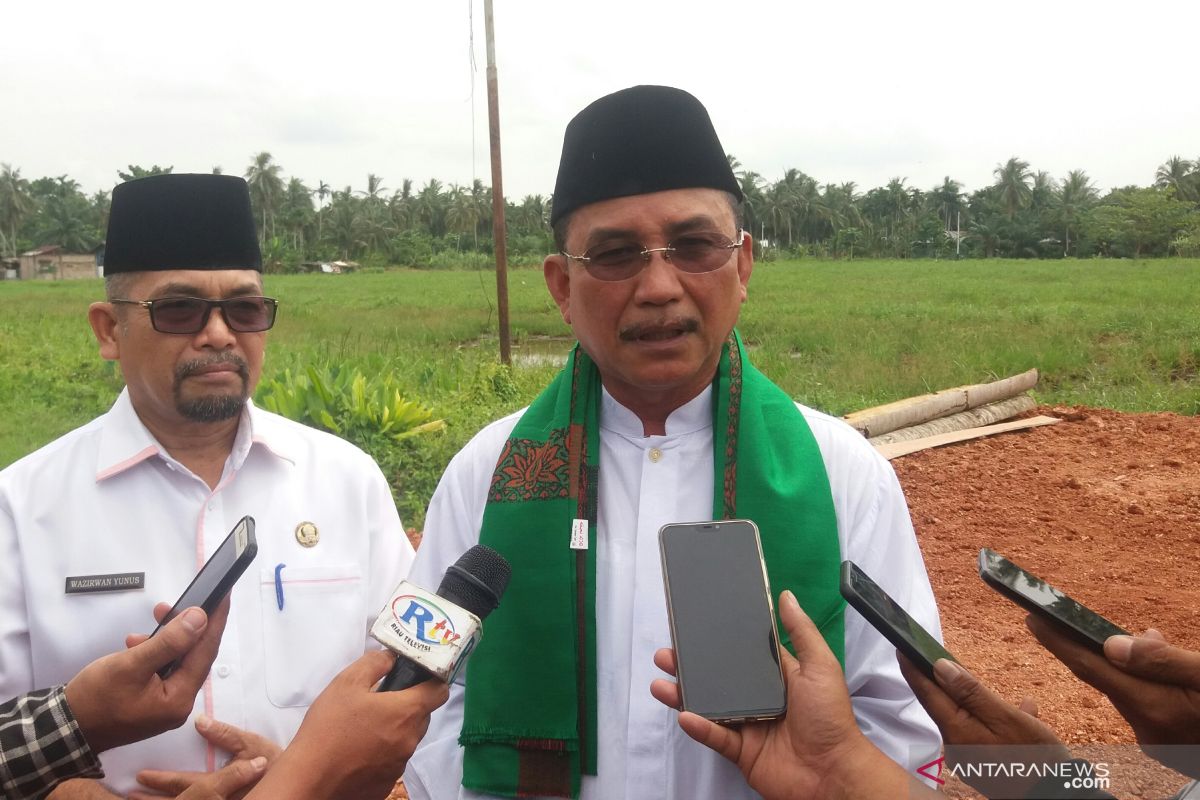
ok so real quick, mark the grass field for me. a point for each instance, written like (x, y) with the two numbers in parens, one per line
(835, 335)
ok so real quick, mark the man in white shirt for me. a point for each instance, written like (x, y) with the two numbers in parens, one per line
(124, 511)
(657, 418)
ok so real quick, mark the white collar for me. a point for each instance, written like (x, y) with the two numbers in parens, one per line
(125, 441)
(692, 416)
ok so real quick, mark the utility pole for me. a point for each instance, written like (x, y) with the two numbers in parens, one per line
(498, 232)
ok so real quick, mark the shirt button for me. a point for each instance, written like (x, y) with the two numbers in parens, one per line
(223, 671)
(655, 455)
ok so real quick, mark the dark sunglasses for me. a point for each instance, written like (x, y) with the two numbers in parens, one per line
(693, 253)
(190, 314)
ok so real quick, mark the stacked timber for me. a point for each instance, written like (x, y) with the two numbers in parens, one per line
(951, 415)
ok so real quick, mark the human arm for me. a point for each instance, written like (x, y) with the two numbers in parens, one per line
(113, 701)
(816, 749)
(1154, 685)
(41, 745)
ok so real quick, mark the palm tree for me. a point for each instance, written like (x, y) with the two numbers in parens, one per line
(1177, 174)
(1013, 179)
(753, 201)
(431, 207)
(15, 205)
(296, 210)
(1074, 196)
(401, 205)
(266, 189)
(948, 200)
(462, 213)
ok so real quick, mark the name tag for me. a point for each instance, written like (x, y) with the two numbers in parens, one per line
(115, 582)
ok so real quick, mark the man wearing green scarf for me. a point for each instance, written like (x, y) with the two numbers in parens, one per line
(657, 417)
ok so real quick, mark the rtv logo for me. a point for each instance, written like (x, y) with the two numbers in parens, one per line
(423, 620)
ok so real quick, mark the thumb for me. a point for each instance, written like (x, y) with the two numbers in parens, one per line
(1153, 659)
(227, 737)
(368, 669)
(175, 639)
(233, 777)
(807, 641)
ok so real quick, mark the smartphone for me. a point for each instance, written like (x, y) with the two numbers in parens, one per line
(216, 578)
(1034, 594)
(889, 618)
(722, 621)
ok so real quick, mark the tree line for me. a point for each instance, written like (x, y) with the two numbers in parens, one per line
(1023, 214)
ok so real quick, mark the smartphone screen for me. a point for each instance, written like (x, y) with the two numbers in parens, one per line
(889, 618)
(216, 577)
(1034, 594)
(722, 621)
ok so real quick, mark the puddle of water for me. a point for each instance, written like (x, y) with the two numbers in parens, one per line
(538, 351)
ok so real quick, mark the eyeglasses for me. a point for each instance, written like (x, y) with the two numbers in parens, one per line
(693, 253)
(190, 314)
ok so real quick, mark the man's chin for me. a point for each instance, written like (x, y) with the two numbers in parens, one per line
(211, 407)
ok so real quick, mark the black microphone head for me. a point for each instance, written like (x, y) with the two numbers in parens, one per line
(477, 580)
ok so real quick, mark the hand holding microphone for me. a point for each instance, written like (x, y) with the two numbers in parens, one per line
(432, 635)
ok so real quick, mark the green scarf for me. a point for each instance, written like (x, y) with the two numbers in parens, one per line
(530, 722)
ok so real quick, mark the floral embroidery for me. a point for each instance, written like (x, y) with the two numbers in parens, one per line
(532, 470)
(731, 431)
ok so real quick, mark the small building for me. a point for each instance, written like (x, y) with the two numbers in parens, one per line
(52, 262)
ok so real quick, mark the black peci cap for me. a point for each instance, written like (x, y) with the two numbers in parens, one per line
(181, 222)
(636, 141)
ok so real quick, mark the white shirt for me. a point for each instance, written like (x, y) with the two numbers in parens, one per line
(106, 498)
(642, 752)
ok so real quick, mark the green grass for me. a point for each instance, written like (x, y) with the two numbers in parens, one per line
(836, 335)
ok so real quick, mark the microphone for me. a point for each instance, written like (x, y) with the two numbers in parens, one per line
(432, 634)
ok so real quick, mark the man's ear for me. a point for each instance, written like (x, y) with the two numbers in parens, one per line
(559, 283)
(103, 319)
(745, 264)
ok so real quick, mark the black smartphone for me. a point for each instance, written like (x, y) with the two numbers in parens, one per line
(722, 621)
(216, 578)
(1034, 594)
(890, 619)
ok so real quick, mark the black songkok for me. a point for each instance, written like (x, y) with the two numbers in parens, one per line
(636, 141)
(181, 222)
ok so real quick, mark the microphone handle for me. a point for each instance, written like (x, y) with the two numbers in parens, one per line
(403, 674)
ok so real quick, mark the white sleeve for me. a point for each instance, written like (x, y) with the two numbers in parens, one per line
(391, 554)
(876, 533)
(16, 658)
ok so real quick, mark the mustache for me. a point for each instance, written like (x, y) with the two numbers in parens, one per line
(639, 329)
(187, 368)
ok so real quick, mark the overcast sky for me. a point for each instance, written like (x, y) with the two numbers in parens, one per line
(845, 91)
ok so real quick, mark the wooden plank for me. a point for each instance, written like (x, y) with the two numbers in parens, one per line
(897, 449)
(971, 418)
(871, 422)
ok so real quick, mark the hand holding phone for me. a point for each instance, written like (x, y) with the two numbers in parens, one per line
(1034, 594)
(890, 619)
(216, 578)
(722, 621)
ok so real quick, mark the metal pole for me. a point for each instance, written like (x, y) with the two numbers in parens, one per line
(498, 231)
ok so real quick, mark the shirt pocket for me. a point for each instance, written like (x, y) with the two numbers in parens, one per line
(320, 629)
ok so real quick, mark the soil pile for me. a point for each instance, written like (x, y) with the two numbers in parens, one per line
(1104, 505)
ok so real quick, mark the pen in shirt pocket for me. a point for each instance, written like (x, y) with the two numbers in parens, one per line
(279, 584)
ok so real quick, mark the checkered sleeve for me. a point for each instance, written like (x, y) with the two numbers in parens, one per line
(41, 745)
